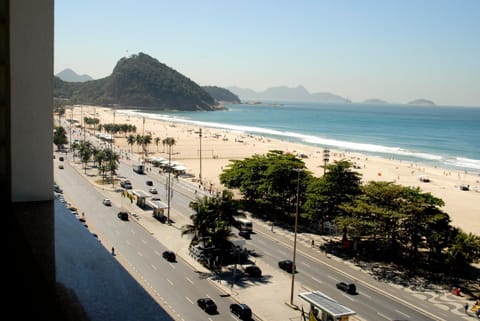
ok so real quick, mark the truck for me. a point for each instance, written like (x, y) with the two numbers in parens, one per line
(139, 168)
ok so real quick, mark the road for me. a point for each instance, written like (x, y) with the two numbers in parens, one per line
(180, 286)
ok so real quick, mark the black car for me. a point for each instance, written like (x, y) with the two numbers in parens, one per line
(287, 265)
(253, 271)
(123, 216)
(350, 288)
(241, 310)
(149, 183)
(207, 305)
(169, 256)
(244, 233)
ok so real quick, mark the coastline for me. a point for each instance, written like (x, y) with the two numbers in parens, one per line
(219, 146)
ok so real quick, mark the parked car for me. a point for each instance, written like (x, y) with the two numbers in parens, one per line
(126, 184)
(107, 202)
(349, 288)
(149, 183)
(253, 271)
(123, 216)
(241, 310)
(287, 265)
(153, 190)
(169, 256)
(207, 305)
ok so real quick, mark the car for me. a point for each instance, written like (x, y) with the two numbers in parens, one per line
(349, 288)
(169, 256)
(153, 190)
(207, 305)
(287, 265)
(244, 234)
(155, 198)
(107, 202)
(123, 216)
(253, 271)
(241, 310)
(61, 159)
(60, 166)
(126, 184)
(149, 183)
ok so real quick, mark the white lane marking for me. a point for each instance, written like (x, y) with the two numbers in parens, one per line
(189, 280)
(306, 264)
(406, 315)
(154, 267)
(154, 251)
(316, 280)
(331, 277)
(188, 299)
(171, 283)
(139, 253)
(173, 266)
(144, 241)
(383, 316)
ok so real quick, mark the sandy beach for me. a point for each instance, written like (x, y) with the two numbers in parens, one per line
(218, 147)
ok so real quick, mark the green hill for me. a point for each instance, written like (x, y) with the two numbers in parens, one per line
(222, 94)
(139, 81)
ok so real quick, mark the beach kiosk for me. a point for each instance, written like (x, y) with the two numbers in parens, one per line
(324, 308)
(159, 209)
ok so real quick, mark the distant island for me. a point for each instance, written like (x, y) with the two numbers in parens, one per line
(423, 102)
(375, 101)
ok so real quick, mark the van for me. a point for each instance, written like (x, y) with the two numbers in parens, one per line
(244, 225)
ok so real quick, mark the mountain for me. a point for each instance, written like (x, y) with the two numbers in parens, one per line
(284, 93)
(70, 75)
(139, 81)
(423, 102)
(222, 94)
(375, 101)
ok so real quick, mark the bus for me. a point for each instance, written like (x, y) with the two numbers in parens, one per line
(244, 224)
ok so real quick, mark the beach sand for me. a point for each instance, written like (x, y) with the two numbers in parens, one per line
(219, 146)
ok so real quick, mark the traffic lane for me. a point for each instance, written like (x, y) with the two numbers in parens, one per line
(317, 275)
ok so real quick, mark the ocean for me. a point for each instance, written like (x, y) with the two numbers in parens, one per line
(442, 136)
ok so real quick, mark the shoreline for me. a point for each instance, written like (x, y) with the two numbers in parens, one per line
(219, 146)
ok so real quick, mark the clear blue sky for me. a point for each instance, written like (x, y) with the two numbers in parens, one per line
(395, 50)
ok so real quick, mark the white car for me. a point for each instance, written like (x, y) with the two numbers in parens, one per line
(153, 190)
(107, 202)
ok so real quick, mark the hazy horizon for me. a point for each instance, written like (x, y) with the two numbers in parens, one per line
(393, 51)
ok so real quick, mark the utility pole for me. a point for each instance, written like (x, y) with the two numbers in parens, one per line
(298, 170)
(200, 175)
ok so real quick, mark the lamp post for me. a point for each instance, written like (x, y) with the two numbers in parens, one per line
(298, 170)
(200, 175)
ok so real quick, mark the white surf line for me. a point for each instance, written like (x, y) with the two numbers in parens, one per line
(316, 280)
(154, 267)
(171, 283)
(188, 299)
(188, 279)
(403, 313)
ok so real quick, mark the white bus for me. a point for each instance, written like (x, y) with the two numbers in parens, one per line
(244, 225)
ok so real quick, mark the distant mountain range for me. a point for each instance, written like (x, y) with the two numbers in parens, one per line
(71, 76)
(283, 93)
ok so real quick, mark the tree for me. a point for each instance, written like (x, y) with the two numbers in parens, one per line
(131, 140)
(60, 137)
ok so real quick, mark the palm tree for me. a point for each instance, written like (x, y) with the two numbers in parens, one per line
(131, 140)
(157, 141)
(170, 141)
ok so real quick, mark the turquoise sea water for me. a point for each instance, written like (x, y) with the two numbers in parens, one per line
(446, 137)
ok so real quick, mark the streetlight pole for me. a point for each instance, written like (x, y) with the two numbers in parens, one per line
(200, 175)
(295, 236)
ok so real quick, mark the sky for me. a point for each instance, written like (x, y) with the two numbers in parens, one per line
(394, 50)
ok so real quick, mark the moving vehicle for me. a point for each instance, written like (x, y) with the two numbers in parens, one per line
(153, 190)
(169, 256)
(126, 184)
(149, 183)
(60, 166)
(139, 168)
(241, 310)
(253, 271)
(244, 234)
(123, 216)
(244, 225)
(287, 265)
(107, 202)
(207, 305)
(349, 288)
